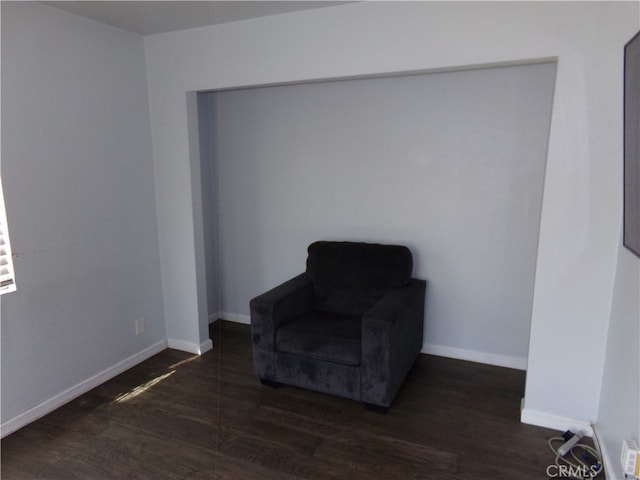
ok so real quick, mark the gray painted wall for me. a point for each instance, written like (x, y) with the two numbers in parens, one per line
(77, 169)
(451, 164)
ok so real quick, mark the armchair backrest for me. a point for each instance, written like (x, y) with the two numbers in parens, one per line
(351, 277)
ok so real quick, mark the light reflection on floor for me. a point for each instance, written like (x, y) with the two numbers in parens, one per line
(186, 360)
(140, 389)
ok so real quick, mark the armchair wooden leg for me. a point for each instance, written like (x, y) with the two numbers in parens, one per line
(269, 383)
(376, 408)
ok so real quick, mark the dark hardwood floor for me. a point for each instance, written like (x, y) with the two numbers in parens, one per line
(178, 416)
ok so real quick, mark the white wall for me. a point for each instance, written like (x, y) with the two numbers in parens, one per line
(77, 170)
(210, 201)
(619, 415)
(450, 164)
(581, 210)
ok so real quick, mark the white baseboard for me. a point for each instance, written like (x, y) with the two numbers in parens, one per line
(66, 396)
(555, 422)
(190, 347)
(234, 317)
(507, 361)
(604, 451)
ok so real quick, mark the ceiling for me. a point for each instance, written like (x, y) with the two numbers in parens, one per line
(149, 17)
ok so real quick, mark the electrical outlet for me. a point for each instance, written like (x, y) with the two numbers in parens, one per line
(139, 326)
(630, 458)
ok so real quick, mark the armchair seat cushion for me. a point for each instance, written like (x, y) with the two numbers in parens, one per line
(322, 336)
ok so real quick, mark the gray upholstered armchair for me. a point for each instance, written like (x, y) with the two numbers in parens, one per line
(351, 325)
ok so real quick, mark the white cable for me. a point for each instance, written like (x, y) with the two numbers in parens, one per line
(580, 465)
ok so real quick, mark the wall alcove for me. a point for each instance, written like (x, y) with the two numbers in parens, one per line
(450, 163)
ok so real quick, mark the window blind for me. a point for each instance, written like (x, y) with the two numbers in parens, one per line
(7, 277)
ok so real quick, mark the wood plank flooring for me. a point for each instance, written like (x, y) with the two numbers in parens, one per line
(178, 416)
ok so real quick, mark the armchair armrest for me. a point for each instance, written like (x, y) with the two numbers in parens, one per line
(272, 309)
(391, 341)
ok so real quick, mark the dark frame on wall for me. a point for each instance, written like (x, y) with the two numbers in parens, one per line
(631, 236)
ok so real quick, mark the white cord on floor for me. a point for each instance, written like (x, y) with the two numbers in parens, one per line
(579, 468)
